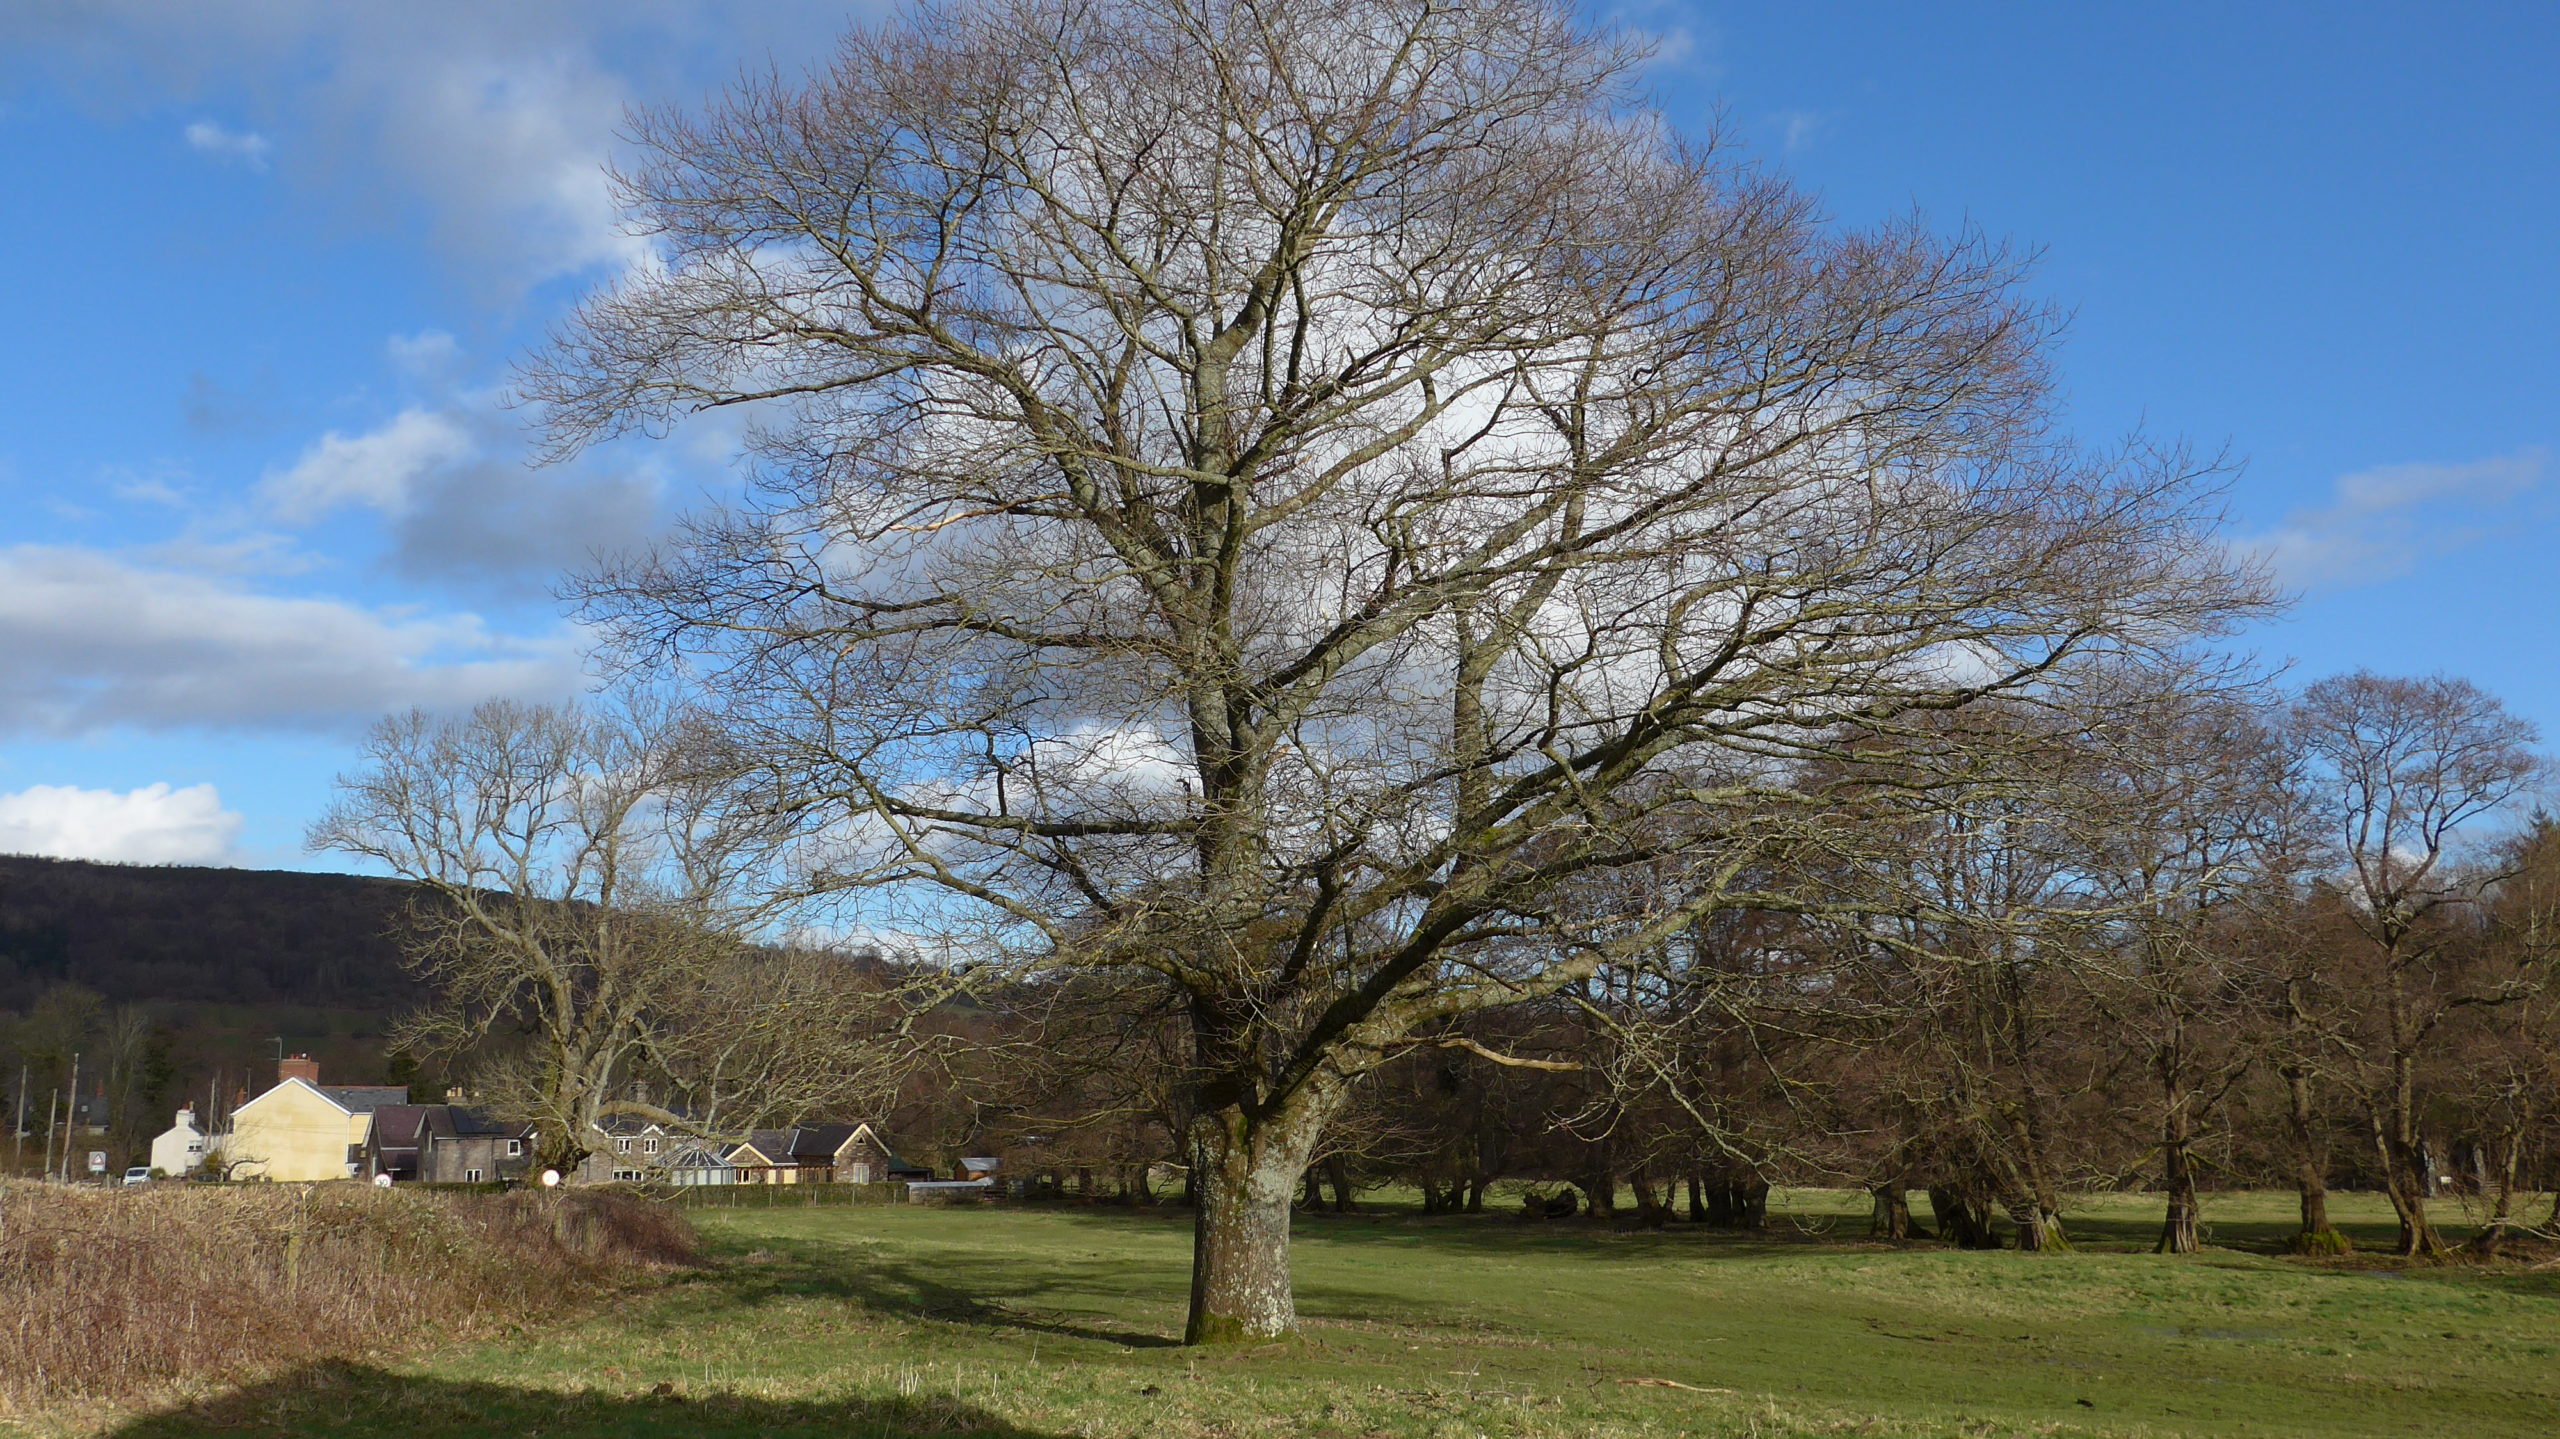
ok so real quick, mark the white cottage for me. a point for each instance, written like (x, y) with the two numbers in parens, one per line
(180, 1147)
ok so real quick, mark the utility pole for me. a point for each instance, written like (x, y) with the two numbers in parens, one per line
(18, 1131)
(71, 1118)
(51, 1102)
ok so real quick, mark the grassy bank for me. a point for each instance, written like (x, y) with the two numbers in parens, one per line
(111, 1296)
(1029, 1323)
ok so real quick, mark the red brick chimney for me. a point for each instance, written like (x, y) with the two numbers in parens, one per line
(300, 1066)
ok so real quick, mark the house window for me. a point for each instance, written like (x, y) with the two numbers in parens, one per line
(473, 1176)
(622, 1145)
(515, 1148)
(649, 1145)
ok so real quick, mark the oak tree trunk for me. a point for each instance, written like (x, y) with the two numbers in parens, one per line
(2493, 1235)
(2039, 1229)
(1891, 1218)
(1240, 1245)
(2311, 1169)
(1338, 1171)
(2178, 1177)
(1964, 1217)
(2404, 1181)
(1652, 1209)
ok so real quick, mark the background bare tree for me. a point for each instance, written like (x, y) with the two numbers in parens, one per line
(2192, 843)
(2400, 767)
(2510, 1069)
(570, 889)
(748, 1036)
(1271, 493)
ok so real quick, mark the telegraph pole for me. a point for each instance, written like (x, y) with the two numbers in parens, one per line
(71, 1118)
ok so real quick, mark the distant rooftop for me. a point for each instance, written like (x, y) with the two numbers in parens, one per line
(363, 1098)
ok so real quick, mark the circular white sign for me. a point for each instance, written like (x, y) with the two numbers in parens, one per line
(551, 1179)
(382, 1181)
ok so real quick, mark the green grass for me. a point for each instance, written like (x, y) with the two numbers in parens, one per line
(1036, 1322)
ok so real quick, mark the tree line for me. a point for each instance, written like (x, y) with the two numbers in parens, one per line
(2331, 993)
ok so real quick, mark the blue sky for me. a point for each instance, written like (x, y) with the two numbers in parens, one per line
(274, 257)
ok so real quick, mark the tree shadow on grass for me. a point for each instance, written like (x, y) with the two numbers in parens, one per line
(1505, 1233)
(337, 1398)
(1493, 1233)
(989, 1295)
(1049, 1292)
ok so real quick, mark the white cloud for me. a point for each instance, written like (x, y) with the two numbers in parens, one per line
(152, 825)
(90, 641)
(457, 497)
(159, 488)
(1798, 128)
(1682, 41)
(430, 356)
(245, 146)
(376, 470)
(2381, 522)
(488, 120)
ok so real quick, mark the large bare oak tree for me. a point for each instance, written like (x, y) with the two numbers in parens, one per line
(1276, 494)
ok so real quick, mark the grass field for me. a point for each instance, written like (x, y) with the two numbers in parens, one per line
(1036, 1322)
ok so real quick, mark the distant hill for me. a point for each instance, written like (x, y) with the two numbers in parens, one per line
(200, 936)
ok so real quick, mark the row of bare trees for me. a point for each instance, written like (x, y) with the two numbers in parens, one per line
(2180, 937)
(2227, 945)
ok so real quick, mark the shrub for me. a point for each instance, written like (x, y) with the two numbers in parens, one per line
(107, 1293)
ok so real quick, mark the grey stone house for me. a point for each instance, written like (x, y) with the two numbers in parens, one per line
(445, 1144)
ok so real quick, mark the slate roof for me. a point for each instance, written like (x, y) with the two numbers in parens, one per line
(630, 1124)
(819, 1142)
(403, 1126)
(463, 1120)
(363, 1098)
(395, 1126)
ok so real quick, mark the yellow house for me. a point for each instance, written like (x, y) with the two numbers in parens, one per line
(302, 1130)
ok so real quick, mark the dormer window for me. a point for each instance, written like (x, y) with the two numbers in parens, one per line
(649, 1145)
(622, 1145)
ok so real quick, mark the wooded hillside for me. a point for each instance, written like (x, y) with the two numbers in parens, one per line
(137, 933)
